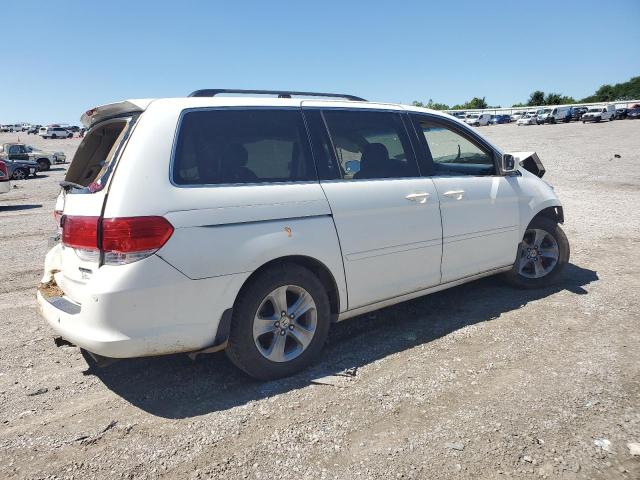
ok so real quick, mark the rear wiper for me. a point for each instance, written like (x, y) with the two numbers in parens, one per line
(68, 185)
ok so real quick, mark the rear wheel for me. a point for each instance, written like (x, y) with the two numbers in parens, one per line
(20, 174)
(542, 255)
(280, 323)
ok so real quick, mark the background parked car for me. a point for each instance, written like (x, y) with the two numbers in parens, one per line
(19, 167)
(633, 113)
(5, 179)
(20, 151)
(528, 119)
(55, 132)
(621, 113)
(597, 114)
(577, 112)
(478, 119)
(498, 119)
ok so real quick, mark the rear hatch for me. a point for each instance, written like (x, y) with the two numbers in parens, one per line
(82, 200)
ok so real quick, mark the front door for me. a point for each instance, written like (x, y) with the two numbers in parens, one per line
(18, 152)
(386, 214)
(480, 213)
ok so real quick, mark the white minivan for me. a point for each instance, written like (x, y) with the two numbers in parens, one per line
(252, 223)
(54, 132)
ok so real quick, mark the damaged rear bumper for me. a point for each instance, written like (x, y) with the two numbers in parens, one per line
(142, 309)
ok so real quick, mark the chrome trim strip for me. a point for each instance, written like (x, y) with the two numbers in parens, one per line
(479, 234)
(271, 220)
(378, 252)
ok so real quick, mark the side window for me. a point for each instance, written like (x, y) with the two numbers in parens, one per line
(453, 153)
(370, 144)
(242, 146)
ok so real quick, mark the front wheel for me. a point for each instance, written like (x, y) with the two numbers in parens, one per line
(280, 323)
(43, 165)
(542, 255)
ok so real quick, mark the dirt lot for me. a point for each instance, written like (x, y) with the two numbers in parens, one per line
(481, 381)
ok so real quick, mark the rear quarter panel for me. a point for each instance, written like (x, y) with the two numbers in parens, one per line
(219, 230)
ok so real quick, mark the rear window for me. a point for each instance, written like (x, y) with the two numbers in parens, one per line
(94, 160)
(242, 146)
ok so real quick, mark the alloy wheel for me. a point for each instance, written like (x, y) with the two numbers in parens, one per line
(285, 323)
(539, 254)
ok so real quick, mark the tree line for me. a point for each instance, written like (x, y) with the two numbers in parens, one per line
(629, 90)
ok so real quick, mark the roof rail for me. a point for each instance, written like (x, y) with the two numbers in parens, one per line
(212, 92)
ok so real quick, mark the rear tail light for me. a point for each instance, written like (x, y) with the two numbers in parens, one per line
(121, 240)
(57, 217)
(4, 172)
(80, 232)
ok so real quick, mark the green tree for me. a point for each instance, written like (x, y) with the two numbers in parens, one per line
(431, 104)
(536, 98)
(553, 99)
(477, 102)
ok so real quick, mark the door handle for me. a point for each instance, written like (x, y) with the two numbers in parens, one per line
(418, 197)
(457, 194)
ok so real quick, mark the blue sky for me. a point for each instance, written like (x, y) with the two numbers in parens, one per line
(63, 58)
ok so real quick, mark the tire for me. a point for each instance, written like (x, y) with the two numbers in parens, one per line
(43, 165)
(20, 174)
(527, 277)
(248, 350)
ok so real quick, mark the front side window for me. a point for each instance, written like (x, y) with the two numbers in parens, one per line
(370, 144)
(242, 146)
(453, 153)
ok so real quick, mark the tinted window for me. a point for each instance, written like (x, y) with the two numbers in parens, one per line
(242, 146)
(453, 153)
(370, 144)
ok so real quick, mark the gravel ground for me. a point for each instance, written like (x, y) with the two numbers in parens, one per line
(481, 381)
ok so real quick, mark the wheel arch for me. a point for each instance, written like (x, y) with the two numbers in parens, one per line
(554, 212)
(318, 268)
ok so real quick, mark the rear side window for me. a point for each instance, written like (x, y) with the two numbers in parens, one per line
(371, 144)
(242, 146)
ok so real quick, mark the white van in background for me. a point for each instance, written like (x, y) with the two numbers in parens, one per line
(559, 114)
(54, 132)
(596, 114)
(478, 119)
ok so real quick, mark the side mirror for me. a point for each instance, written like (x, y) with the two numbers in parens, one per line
(352, 166)
(508, 163)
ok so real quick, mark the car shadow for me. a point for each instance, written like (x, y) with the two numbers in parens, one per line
(15, 208)
(174, 386)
